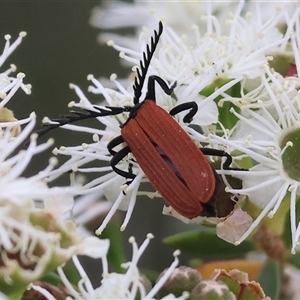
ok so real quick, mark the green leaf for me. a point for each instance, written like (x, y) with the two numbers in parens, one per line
(16, 295)
(51, 278)
(295, 260)
(270, 279)
(209, 89)
(207, 245)
(281, 63)
(290, 157)
(71, 273)
(227, 118)
(150, 274)
(287, 234)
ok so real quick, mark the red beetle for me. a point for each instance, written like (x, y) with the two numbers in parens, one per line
(170, 159)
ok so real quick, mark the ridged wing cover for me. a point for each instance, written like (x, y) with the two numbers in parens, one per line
(154, 126)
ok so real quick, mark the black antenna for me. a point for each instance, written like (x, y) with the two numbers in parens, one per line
(110, 110)
(80, 115)
(144, 64)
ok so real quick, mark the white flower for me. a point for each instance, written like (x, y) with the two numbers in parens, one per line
(115, 285)
(214, 61)
(227, 61)
(8, 84)
(210, 69)
(220, 53)
(91, 246)
(268, 137)
(111, 184)
(179, 15)
(97, 151)
(13, 186)
(34, 238)
(89, 208)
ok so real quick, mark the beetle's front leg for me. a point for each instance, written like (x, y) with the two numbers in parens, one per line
(114, 143)
(118, 156)
(151, 87)
(192, 106)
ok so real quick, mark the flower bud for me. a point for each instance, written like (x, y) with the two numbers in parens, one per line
(210, 289)
(183, 279)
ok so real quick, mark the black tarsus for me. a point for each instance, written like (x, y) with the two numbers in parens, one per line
(117, 158)
(113, 143)
(151, 87)
(192, 106)
(221, 153)
(144, 64)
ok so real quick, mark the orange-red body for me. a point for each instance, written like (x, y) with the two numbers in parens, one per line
(152, 135)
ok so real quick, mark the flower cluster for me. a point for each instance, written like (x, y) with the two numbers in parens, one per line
(40, 225)
(239, 63)
(35, 238)
(240, 66)
(119, 286)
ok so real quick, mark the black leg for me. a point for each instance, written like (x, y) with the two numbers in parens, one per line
(192, 106)
(117, 158)
(151, 87)
(221, 153)
(113, 143)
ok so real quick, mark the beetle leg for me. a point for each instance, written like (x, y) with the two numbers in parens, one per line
(221, 153)
(151, 87)
(117, 158)
(192, 106)
(113, 143)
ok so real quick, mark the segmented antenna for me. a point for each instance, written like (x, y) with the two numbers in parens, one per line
(80, 115)
(144, 64)
(110, 110)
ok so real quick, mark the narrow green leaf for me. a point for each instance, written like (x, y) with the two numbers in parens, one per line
(207, 245)
(16, 295)
(71, 273)
(295, 260)
(51, 278)
(227, 118)
(270, 278)
(209, 89)
(150, 274)
(287, 232)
